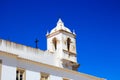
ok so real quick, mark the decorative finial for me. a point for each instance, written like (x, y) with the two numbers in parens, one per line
(36, 42)
(74, 31)
(60, 24)
(47, 32)
(59, 20)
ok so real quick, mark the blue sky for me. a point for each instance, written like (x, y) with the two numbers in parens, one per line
(96, 22)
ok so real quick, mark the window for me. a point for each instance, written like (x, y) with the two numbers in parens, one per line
(20, 74)
(0, 68)
(68, 43)
(44, 76)
(55, 43)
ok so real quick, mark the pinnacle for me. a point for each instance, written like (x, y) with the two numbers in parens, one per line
(59, 21)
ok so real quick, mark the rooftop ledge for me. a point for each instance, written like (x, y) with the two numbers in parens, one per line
(26, 52)
(13, 47)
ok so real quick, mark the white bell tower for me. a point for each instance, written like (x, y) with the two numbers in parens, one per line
(62, 42)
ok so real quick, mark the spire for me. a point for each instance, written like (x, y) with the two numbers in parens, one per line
(59, 21)
(47, 32)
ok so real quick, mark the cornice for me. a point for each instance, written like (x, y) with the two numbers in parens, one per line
(60, 31)
(8, 54)
(69, 52)
(60, 69)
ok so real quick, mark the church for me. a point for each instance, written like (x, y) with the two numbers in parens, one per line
(58, 62)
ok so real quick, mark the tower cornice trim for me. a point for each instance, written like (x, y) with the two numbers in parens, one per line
(58, 32)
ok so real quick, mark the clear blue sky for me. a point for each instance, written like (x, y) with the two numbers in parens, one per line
(96, 22)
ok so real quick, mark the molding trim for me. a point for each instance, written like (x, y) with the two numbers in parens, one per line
(60, 31)
(3, 53)
(60, 69)
(69, 52)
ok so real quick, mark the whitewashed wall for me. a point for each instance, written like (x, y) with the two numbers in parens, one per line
(8, 68)
(32, 75)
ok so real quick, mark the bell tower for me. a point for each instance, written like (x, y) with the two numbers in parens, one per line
(62, 42)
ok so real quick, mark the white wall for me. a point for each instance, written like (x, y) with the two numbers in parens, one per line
(32, 75)
(8, 68)
(52, 77)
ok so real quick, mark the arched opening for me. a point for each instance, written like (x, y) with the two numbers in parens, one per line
(55, 43)
(68, 43)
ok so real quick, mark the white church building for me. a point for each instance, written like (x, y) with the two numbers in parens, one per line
(58, 62)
